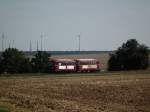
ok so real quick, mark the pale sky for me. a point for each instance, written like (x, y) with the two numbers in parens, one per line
(103, 24)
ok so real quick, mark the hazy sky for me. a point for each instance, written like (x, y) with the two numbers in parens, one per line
(103, 24)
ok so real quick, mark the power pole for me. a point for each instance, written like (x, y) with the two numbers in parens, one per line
(41, 42)
(30, 46)
(3, 41)
(79, 37)
(37, 45)
(9, 45)
(13, 44)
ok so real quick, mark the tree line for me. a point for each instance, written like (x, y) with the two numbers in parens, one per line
(130, 56)
(14, 61)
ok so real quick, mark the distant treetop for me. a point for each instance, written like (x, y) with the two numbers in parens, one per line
(130, 56)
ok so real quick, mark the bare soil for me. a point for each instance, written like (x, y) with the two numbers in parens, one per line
(108, 92)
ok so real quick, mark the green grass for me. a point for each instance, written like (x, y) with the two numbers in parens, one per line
(36, 75)
(4, 109)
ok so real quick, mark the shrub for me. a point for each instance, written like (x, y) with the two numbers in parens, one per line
(14, 61)
(130, 56)
(40, 62)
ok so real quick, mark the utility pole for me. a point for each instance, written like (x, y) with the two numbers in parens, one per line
(41, 42)
(3, 41)
(9, 45)
(13, 44)
(37, 45)
(79, 37)
(30, 46)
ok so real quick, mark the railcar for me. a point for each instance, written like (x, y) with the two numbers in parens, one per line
(87, 65)
(62, 65)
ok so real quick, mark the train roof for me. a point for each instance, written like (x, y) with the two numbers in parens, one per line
(71, 60)
(66, 60)
(86, 59)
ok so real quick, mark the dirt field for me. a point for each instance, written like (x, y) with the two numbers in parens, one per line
(107, 92)
(102, 57)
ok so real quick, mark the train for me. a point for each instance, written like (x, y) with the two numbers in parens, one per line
(74, 65)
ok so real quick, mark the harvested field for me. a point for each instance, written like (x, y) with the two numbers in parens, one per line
(107, 92)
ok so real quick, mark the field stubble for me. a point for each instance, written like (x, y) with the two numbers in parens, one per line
(110, 93)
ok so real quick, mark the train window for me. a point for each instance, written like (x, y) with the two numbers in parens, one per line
(63, 63)
(94, 62)
(70, 63)
(82, 63)
(87, 62)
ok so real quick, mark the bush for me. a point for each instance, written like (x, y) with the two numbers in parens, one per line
(130, 56)
(26, 66)
(40, 62)
(14, 61)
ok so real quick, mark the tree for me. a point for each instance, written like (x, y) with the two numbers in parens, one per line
(130, 56)
(40, 62)
(26, 66)
(13, 61)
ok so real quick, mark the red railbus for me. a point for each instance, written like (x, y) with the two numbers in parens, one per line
(70, 65)
(62, 65)
(87, 65)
